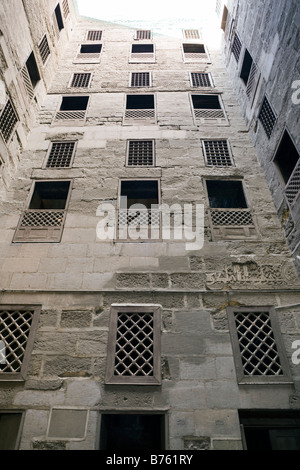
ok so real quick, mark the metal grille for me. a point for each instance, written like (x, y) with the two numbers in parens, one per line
(235, 217)
(67, 115)
(44, 49)
(61, 155)
(252, 80)
(8, 121)
(142, 56)
(192, 34)
(195, 55)
(140, 153)
(88, 55)
(140, 79)
(217, 153)
(236, 47)
(139, 217)
(257, 344)
(81, 80)
(292, 189)
(94, 35)
(143, 34)
(42, 218)
(14, 332)
(27, 82)
(267, 117)
(66, 8)
(139, 114)
(134, 354)
(200, 79)
(209, 114)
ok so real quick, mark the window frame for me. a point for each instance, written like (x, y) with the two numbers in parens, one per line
(45, 167)
(150, 57)
(259, 379)
(140, 72)
(212, 85)
(219, 139)
(155, 379)
(21, 375)
(10, 103)
(203, 57)
(41, 52)
(153, 153)
(80, 56)
(71, 121)
(22, 418)
(219, 120)
(146, 120)
(80, 87)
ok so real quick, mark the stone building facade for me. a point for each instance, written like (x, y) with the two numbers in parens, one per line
(173, 324)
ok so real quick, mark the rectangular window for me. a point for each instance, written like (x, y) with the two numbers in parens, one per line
(94, 35)
(201, 79)
(224, 18)
(217, 152)
(44, 219)
(89, 54)
(140, 153)
(194, 52)
(267, 117)
(10, 427)
(60, 155)
(139, 215)
(208, 109)
(143, 34)
(140, 79)
(81, 80)
(134, 345)
(8, 121)
(236, 47)
(132, 431)
(142, 53)
(250, 75)
(44, 49)
(140, 109)
(58, 23)
(257, 345)
(31, 76)
(229, 213)
(191, 34)
(72, 108)
(270, 430)
(17, 329)
(287, 161)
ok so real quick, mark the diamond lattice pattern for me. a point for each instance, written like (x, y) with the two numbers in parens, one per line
(257, 344)
(134, 345)
(14, 332)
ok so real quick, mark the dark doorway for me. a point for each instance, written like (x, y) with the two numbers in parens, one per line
(132, 432)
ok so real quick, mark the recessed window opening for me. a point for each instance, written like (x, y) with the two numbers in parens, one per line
(246, 67)
(33, 70)
(226, 194)
(139, 192)
(90, 48)
(206, 102)
(140, 102)
(142, 48)
(286, 157)
(50, 195)
(132, 432)
(194, 48)
(58, 16)
(74, 103)
(9, 430)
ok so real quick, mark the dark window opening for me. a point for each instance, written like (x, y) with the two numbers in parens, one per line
(246, 67)
(33, 70)
(267, 431)
(90, 48)
(50, 195)
(132, 432)
(194, 48)
(140, 102)
(9, 430)
(142, 48)
(224, 18)
(58, 16)
(140, 192)
(74, 103)
(286, 157)
(226, 194)
(206, 102)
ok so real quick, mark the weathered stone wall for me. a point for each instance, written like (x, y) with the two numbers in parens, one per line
(270, 32)
(77, 280)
